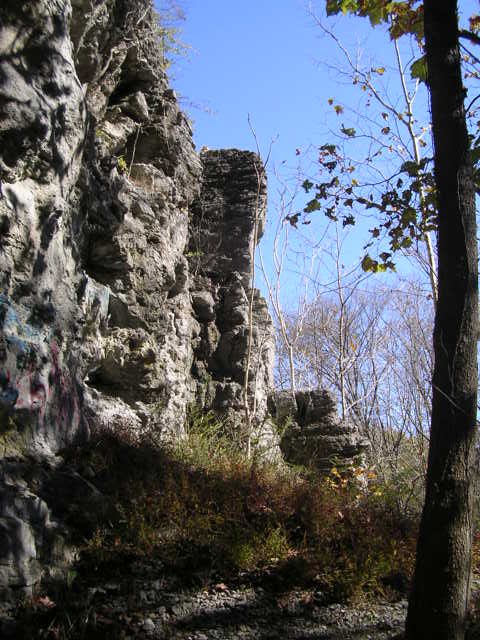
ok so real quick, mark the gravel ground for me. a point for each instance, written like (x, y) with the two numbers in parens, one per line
(224, 613)
(157, 607)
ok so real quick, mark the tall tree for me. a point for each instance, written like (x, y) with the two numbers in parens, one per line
(441, 584)
(441, 587)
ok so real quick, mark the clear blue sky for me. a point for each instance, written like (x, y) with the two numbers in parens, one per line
(256, 57)
(260, 57)
(268, 60)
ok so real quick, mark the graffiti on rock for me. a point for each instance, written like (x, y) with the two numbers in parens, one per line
(33, 381)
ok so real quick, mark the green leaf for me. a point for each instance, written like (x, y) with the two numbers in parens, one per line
(328, 148)
(348, 131)
(407, 19)
(402, 16)
(333, 7)
(293, 219)
(410, 167)
(474, 23)
(376, 13)
(419, 69)
(345, 6)
(368, 264)
(307, 185)
(349, 6)
(313, 205)
(409, 216)
(475, 155)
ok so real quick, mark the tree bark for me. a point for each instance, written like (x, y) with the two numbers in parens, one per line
(441, 587)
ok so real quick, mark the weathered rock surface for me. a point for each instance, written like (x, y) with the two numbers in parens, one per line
(124, 256)
(227, 221)
(32, 539)
(313, 433)
(125, 262)
(43, 123)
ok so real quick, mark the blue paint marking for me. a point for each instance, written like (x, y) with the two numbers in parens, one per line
(17, 344)
(15, 325)
(8, 397)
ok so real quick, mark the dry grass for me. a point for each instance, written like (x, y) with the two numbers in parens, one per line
(201, 504)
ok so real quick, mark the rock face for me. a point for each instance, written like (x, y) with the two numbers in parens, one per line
(125, 262)
(313, 434)
(32, 540)
(124, 256)
(43, 121)
(226, 223)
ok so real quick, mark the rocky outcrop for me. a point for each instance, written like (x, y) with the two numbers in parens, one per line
(227, 221)
(312, 432)
(101, 212)
(125, 264)
(43, 122)
(38, 501)
(125, 257)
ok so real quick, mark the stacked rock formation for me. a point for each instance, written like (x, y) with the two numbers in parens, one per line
(312, 432)
(227, 220)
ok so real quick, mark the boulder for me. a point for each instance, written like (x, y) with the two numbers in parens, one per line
(313, 434)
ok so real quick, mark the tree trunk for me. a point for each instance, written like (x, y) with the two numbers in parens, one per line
(441, 584)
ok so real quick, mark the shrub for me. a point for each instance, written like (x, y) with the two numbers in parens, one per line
(208, 513)
(201, 502)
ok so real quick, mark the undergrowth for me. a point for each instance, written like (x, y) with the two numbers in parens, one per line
(206, 513)
(202, 506)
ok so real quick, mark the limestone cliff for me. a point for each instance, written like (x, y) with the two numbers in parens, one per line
(125, 263)
(103, 201)
(124, 256)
